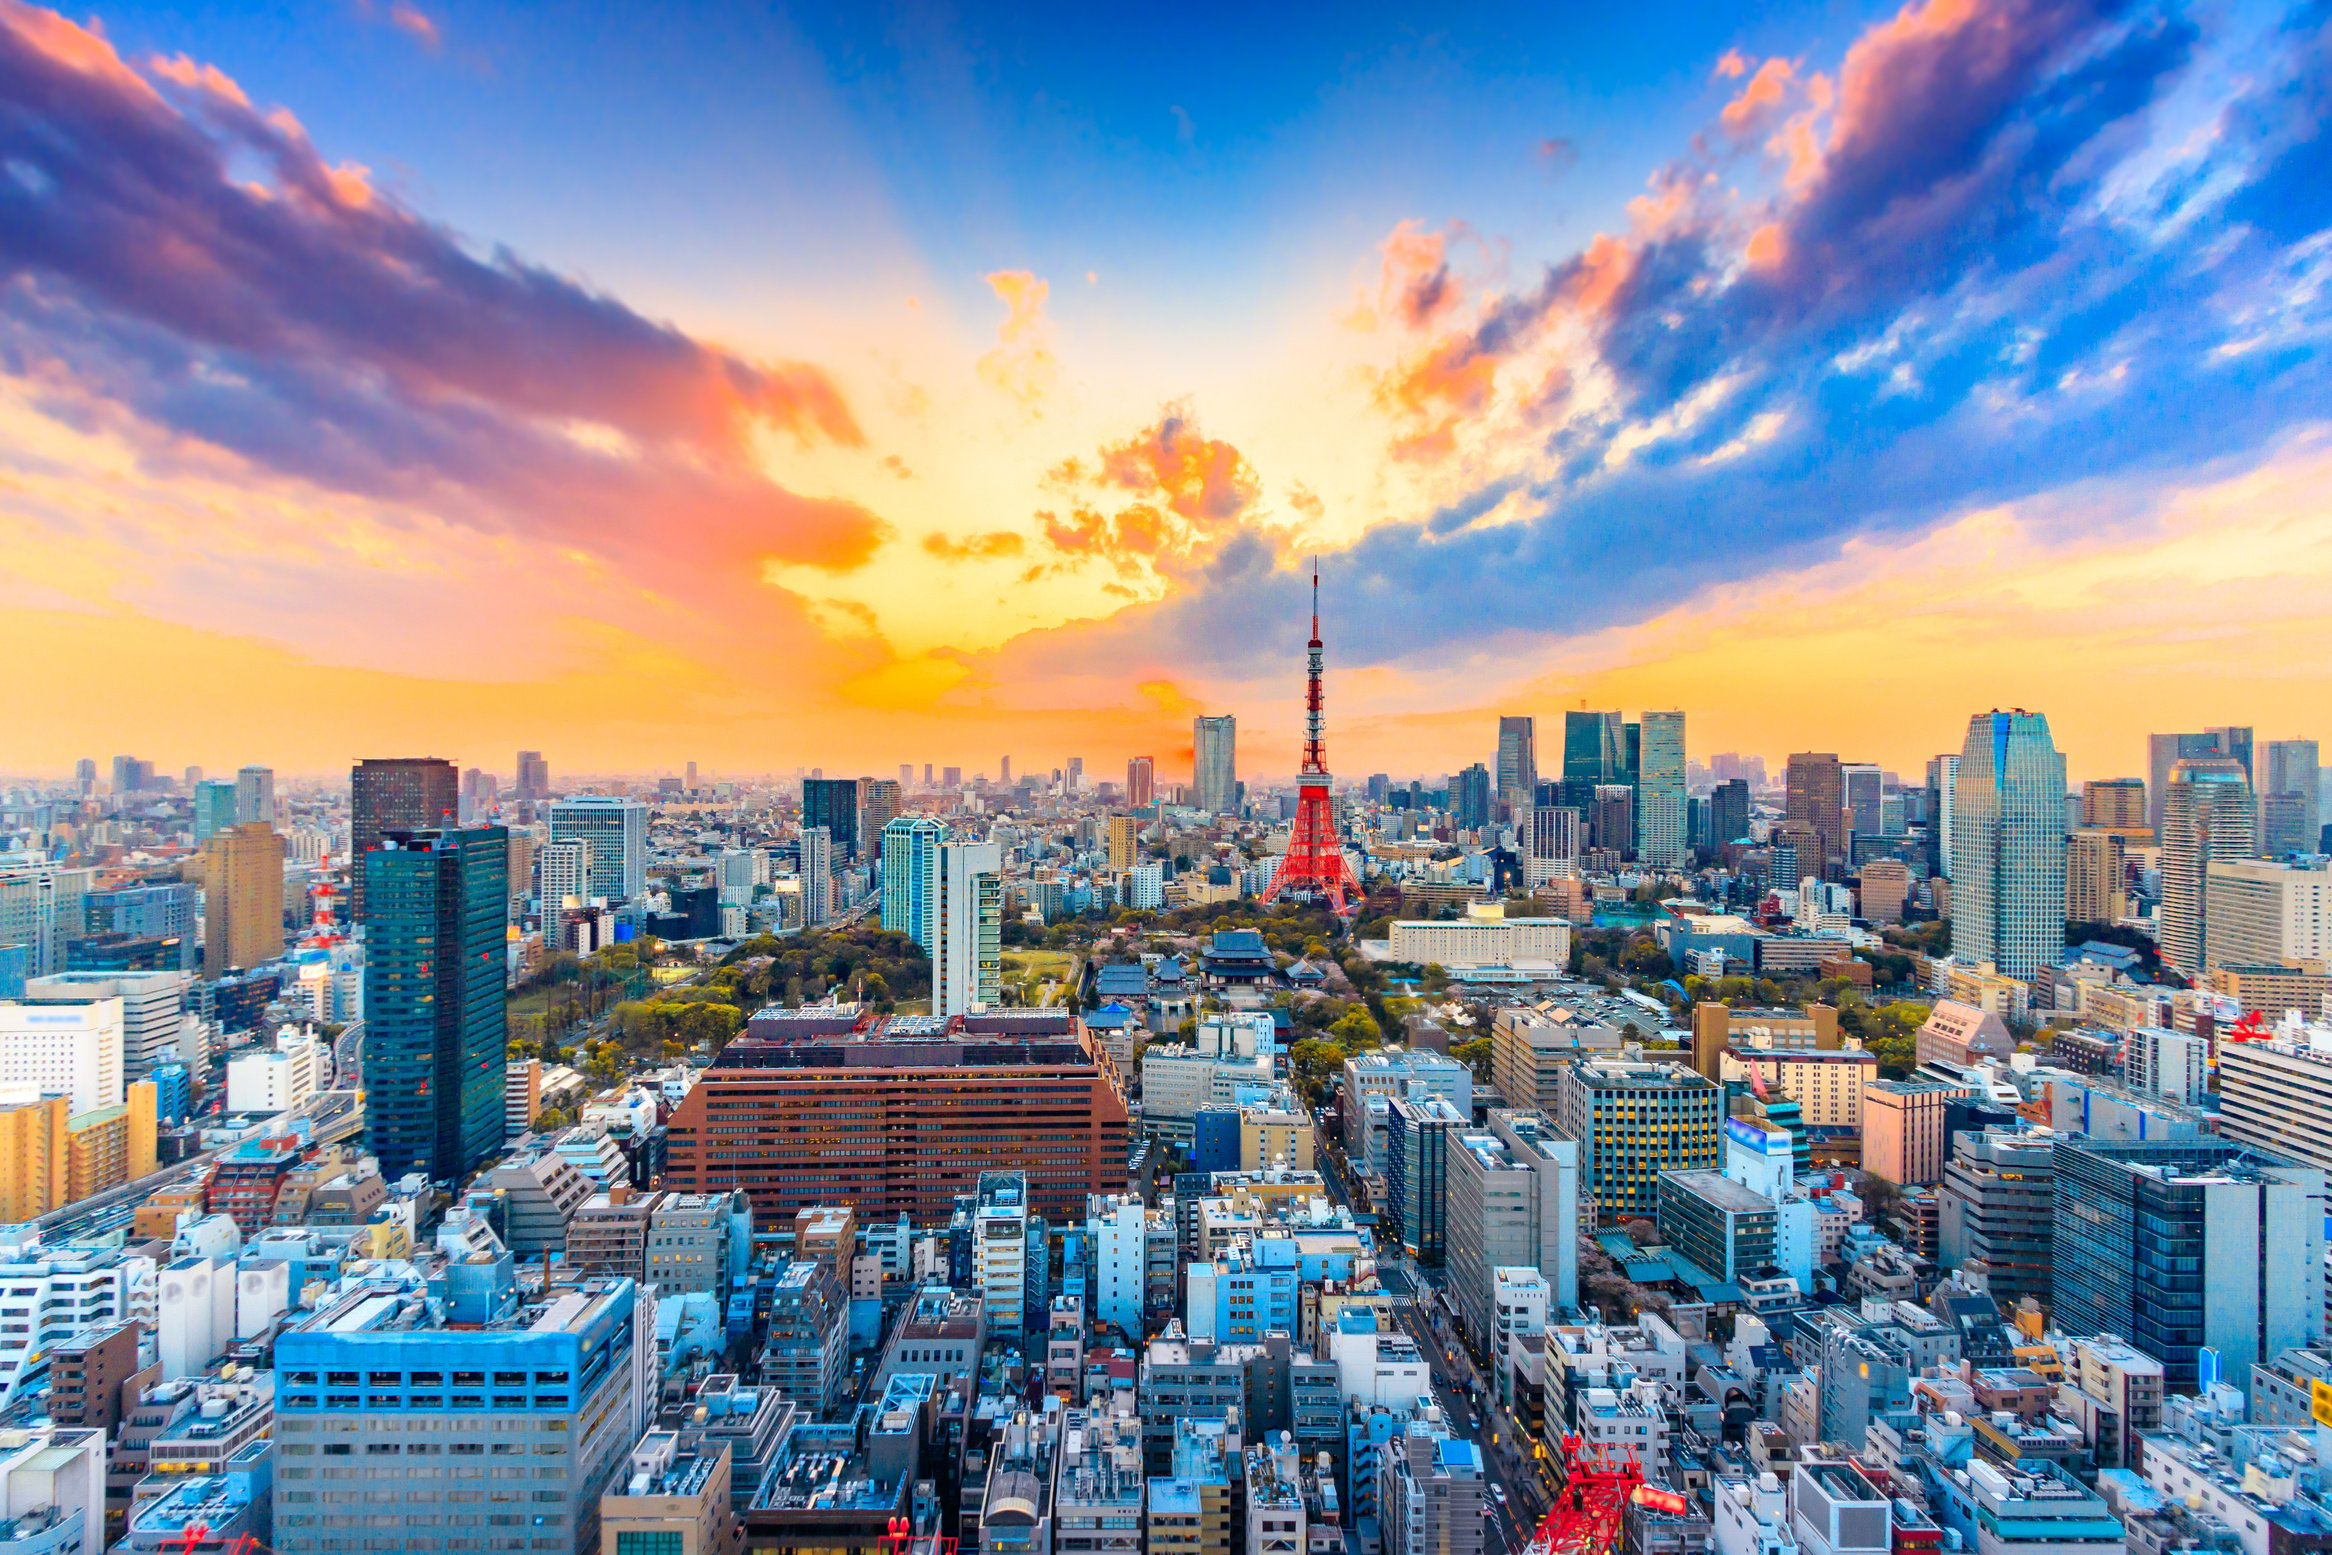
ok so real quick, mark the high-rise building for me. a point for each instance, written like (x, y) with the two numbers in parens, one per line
(967, 949)
(2263, 912)
(1073, 779)
(1124, 839)
(1815, 796)
(2277, 1095)
(2291, 801)
(2207, 818)
(534, 777)
(833, 804)
(1661, 838)
(403, 793)
(64, 1047)
(1590, 747)
(2095, 868)
(566, 882)
(911, 846)
(1611, 818)
(43, 908)
(1469, 797)
(254, 796)
(1513, 1202)
(1729, 811)
(1862, 789)
(242, 898)
(1551, 835)
(436, 1028)
(2164, 751)
(817, 876)
(2116, 805)
(152, 912)
(214, 810)
(2234, 741)
(1943, 775)
(565, 1388)
(899, 1118)
(2008, 845)
(1996, 1210)
(1214, 763)
(2139, 1223)
(879, 800)
(617, 830)
(1517, 774)
(1635, 1120)
(130, 775)
(154, 1015)
(1141, 783)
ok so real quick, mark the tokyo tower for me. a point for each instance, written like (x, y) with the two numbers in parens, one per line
(1314, 865)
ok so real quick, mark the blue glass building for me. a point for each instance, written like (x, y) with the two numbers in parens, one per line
(436, 1024)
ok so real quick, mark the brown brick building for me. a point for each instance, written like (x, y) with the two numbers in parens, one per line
(899, 1115)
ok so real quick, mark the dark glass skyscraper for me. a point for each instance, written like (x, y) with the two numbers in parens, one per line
(833, 804)
(436, 1027)
(1469, 799)
(400, 793)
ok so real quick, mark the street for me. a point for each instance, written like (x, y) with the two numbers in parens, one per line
(1417, 1307)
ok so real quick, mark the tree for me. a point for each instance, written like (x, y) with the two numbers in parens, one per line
(1315, 1061)
(1475, 1055)
(1357, 1028)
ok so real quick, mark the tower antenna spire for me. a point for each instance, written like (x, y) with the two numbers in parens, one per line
(1314, 864)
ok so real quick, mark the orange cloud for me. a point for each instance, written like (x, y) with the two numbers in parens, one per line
(409, 18)
(981, 547)
(1021, 366)
(1764, 93)
(1731, 65)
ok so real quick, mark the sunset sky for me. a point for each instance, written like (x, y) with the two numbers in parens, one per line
(775, 386)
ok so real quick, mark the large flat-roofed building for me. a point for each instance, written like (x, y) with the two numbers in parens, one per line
(2259, 911)
(1486, 939)
(1531, 1047)
(2278, 1095)
(1902, 1128)
(1715, 1027)
(1633, 1121)
(2138, 1225)
(2270, 990)
(900, 1115)
(1724, 1228)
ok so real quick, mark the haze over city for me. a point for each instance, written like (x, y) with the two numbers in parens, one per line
(775, 390)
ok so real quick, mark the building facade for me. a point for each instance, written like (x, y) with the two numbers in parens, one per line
(2008, 845)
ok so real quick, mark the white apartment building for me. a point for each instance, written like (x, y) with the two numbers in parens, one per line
(47, 1295)
(154, 1013)
(282, 1079)
(2259, 912)
(967, 952)
(2278, 1095)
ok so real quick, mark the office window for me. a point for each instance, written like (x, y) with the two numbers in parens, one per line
(660, 1541)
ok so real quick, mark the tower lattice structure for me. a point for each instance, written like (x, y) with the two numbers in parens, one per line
(1315, 864)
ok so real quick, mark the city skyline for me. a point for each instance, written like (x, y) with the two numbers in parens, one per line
(1677, 374)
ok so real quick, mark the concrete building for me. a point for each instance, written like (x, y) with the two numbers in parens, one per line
(911, 879)
(1484, 940)
(608, 1235)
(70, 1049)
(2259, 912)
(1634, 1120)
(1996, 1210)
(1417, 1139)
(2096, 868)
(1531, 1047)
(560, 1389)
(154, 1017)
(53, 1477)
(1215, 764)
(1902, 1128)
(967, 954)
(2277, 1095)
(531, 1194)
(242, 898)
(806, 1356)
(1723, 1228)
(1513, 1202)
(1429, 1495)
(670, 1501)
(615, 831)
(696, 1242)
(1662, 839)
(1962, 1034)
(281, 1079)
(2174, 1065)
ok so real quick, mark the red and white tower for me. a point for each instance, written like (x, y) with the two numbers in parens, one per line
(1314, 865)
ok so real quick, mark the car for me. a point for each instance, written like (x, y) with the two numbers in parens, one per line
(1498, 1492)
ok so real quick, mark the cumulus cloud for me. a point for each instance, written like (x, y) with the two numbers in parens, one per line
(1021, 366)
(173, 255)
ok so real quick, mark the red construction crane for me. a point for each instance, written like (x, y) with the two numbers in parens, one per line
(1594, 1496)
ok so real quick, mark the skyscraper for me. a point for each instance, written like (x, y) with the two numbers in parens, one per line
(254, 796)
(1141, 783)
(879, 801)
(617, 830)
(1591, 748)
(534, 776)
(1214, 763)
(1469, 797)
(2207, 818)
(1816, 797)
(967, 951)
(2290, 803)
(1729, 811)
(1517, 760)
(1661, 837)
(1943, 774)
(833, 804)
(911, 876)
(2008, 845)
(403, 793)
(1862, 792)
(436, 1029)
(242, 898)
(2094, 866)
(817, 876)
(2164, 751)
(2116, 805)
(214, 810)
